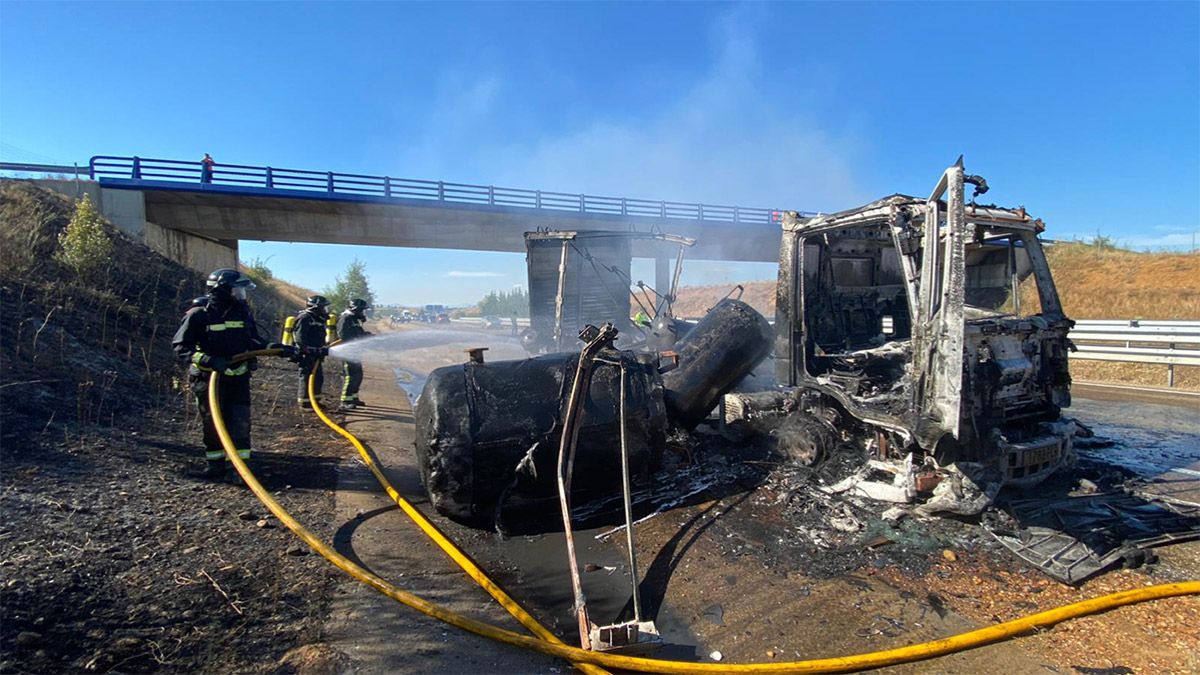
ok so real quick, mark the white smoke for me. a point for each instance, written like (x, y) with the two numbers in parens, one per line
(726, 139)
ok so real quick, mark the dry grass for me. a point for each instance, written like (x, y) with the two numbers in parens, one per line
(1143, 374)
(694, 301)
(1098, 282)
(1101, 282)
(1094, 282)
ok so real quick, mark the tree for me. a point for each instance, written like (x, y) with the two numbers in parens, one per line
(84, 245)
(353, 284)
(499, 303)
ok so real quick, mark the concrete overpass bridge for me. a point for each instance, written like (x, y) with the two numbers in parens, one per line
(197, 215)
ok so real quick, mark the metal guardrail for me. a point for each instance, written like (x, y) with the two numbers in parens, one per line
(350, 185)
(1169, 343)
(72, 170)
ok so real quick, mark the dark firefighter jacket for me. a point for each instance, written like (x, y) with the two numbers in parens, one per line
(217, 329)
(349, 326)
(309, 330)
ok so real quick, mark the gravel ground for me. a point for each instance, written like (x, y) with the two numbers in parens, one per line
(117, 556)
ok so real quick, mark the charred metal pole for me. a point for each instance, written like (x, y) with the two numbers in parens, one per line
(671, 294)
(596, 339)
(1013, 277)
(638, 300)
(662, 277)
(654, 311)
(558, 297)
(626, 490)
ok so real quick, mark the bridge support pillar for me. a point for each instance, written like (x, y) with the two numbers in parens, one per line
(193, 251)
(662, 274)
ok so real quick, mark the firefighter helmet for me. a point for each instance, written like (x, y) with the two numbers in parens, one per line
(358, 305)
(316, 302)
(229, 279)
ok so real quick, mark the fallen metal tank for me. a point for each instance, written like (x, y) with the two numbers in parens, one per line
(487, 434)
(718, 352)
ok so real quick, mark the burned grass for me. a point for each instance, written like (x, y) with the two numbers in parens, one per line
(115, 555)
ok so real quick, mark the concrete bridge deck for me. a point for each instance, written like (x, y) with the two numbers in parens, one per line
(232, 213)
(197, 213)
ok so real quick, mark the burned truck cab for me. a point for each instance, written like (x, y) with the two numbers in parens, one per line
(931, 328)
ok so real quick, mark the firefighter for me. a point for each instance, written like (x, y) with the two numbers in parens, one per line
(209, 336)
(349, 327)
(309, 336)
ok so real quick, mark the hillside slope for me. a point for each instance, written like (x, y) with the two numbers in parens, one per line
(116, 555)
(1100, 282)
(105, 339)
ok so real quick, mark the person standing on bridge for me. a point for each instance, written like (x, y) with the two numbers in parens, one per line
(206, 168)
(208, 338)
(309, 336)
(349, 327)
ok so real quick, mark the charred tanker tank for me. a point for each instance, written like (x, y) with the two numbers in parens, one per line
(720, 350)
(487, 434)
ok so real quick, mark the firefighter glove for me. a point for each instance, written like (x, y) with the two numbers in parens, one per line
(213, 362)
(287, 351)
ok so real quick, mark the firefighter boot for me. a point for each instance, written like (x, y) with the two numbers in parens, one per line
(214, 470)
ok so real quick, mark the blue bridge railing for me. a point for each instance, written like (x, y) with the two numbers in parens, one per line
(353, 184)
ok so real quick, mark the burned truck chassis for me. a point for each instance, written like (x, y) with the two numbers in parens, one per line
(910, 339)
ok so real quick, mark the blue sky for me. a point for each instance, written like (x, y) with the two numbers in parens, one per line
(1088, 114)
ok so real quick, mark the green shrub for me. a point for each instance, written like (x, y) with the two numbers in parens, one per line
(353, 285)
(84, 246)
(257, 270)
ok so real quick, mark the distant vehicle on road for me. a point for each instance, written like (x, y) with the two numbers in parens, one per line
(492, 322)
(435, 314)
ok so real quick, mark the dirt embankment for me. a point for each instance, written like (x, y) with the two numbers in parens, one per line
(1101, 282)
(695, 301)
(115, 555)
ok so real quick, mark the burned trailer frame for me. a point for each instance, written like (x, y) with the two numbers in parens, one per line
(582, 277)
(901, 321)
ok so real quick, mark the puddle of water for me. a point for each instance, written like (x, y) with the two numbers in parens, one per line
(542, 576)
(412, 382)
(1148, 438)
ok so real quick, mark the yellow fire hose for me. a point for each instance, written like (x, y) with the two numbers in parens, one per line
(456, 554)
(917, 652)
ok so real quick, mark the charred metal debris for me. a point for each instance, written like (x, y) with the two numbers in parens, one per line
(919, 366)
